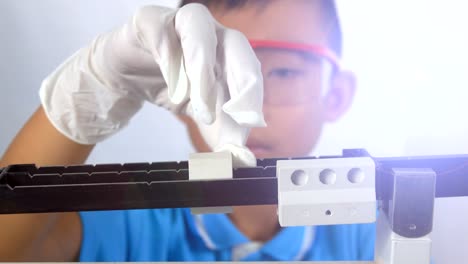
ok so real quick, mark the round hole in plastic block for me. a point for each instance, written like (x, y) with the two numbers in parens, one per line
(299, 177)
(356, 175)
(327, 176)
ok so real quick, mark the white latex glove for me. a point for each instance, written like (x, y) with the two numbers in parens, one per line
(182, 60)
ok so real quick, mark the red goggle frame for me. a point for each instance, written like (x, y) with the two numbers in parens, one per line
(319, 50)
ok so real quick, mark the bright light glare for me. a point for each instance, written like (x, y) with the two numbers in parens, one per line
(411, 61)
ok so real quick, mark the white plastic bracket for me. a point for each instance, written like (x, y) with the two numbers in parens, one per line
(391, 248)
(210, 166)
(405, 217)
(326, 191)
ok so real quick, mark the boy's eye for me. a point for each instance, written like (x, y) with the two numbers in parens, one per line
(285, 73)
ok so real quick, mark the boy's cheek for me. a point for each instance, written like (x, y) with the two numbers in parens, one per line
(291, 133)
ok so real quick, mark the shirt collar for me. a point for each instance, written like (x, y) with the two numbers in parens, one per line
(291, 243)
(218, 232)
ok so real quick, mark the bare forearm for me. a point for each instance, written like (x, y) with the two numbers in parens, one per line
(41, 236)
(23, 235)
(40, 143)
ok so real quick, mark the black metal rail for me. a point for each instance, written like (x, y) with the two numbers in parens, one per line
(31, 189)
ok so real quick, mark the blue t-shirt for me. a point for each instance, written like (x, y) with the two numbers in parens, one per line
(176, 235)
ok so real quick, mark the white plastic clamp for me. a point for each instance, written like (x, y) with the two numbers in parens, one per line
(210, 166)
(326, 191)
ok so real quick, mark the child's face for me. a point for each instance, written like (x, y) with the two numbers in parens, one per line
(294, 107)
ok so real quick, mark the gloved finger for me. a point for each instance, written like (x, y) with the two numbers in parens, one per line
(225, 134)
(242, 157)
(233, 140)
(197, 32)
(244, 79)
(155, 33)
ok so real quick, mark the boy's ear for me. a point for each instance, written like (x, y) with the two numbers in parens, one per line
(340, 95)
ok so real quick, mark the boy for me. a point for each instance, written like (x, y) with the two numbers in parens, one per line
(95, 93)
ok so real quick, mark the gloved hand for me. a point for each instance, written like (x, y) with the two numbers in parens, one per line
(182, 60)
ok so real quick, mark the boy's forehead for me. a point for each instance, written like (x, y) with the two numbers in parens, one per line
(297, 21)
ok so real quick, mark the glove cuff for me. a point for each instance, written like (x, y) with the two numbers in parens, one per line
(81, 106)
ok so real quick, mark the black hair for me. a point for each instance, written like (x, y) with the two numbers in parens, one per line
(334, 34)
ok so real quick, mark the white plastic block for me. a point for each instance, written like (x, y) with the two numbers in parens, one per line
(210, 166)
(326, 191)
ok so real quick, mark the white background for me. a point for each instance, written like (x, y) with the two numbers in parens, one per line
(410, 58)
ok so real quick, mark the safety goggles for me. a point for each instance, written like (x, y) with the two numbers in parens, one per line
(293, 72)
(317, 50)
